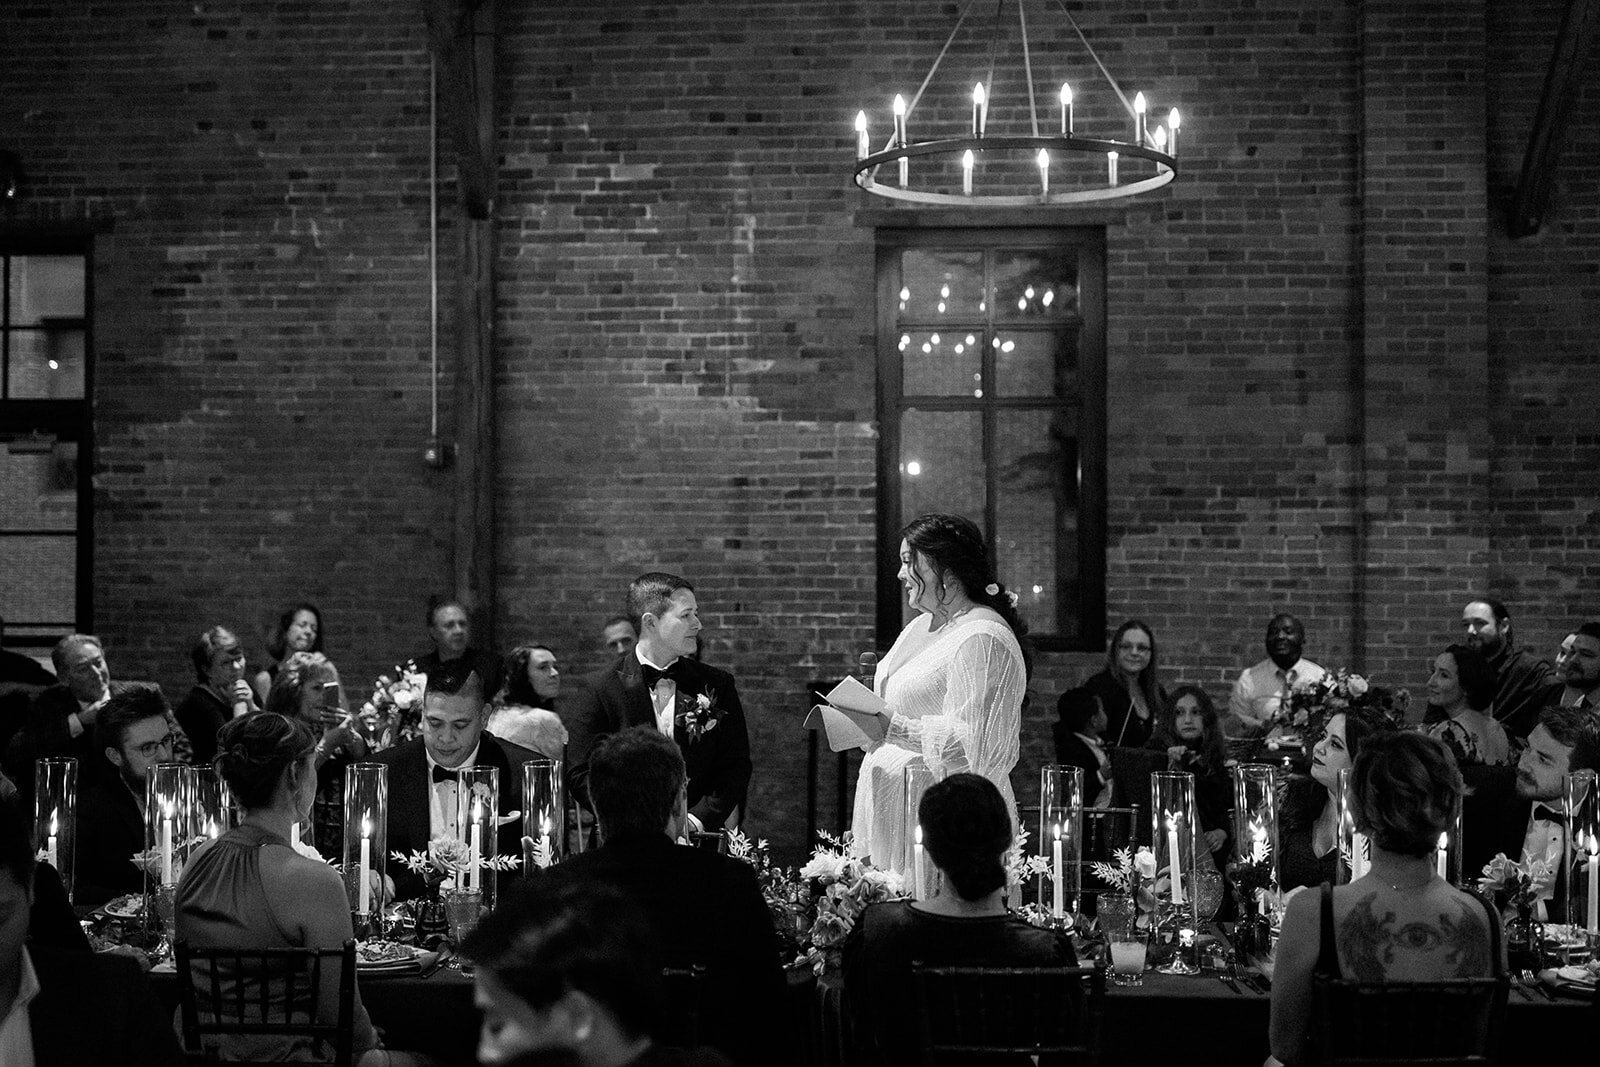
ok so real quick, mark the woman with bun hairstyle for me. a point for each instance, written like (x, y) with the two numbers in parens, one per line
(954, 682)
(966, 831)
(249, 889)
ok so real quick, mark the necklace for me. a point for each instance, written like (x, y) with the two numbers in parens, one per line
(1407, 888)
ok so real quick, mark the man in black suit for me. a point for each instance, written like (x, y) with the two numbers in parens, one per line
(453, 658)
(133, 732)
(1526, 814)
(659, 684)
(66, 1007)
(423, 778)
(706, 908)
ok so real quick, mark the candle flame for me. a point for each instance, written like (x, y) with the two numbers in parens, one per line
(545, 829)
(53, 815)
(1058, 831)
(1161, 138)
(1066, 94)
(167, 808)
(1594, 845)
(1444, 842)
(1044, 160)
(477, 811)
(1172, 118)
(977, 94)
(899, 105)
(919, 833)
(1138, 103)
(366, 827)
(861, 122)
(966, 160)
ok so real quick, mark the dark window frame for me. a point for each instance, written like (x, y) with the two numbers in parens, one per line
(64, 420)
(1090, 611)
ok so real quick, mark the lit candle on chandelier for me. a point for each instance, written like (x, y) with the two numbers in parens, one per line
(1172, 125)
(966, 172)
(863, 149)
(900, 137)
(980, 110)
(1160, 141)
(1111, 165)
(1044, 173)
(1138, 120)
(1066, 109)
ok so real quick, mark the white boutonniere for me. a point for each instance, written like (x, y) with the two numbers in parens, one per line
(700, 716)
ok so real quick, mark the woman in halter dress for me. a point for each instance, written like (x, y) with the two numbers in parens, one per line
(954, 682)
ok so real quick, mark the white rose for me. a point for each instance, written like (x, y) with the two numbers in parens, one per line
(1145, 863)
(1358, 685)
(404, 698)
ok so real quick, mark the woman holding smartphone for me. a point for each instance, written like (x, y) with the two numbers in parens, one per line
(307, 688)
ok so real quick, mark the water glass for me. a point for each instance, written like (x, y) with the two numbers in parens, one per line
(462, 909)
(1126, 943)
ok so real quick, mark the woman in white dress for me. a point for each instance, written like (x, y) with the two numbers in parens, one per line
(954, 682)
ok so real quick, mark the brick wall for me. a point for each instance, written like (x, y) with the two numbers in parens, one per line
(1304, 332)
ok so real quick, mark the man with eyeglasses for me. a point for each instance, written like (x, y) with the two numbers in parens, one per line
(134, 734)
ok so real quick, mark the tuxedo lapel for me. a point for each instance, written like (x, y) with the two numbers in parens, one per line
(637, 709)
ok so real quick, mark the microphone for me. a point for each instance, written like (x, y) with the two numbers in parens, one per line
(869, 664)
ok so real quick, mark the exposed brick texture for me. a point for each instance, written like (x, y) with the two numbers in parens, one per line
(1334, 384)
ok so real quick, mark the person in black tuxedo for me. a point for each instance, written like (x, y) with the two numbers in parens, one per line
(1080, 723)
(422, 778)
(659, 683)
(1525, 812)
(82, 1007)
(706, 908)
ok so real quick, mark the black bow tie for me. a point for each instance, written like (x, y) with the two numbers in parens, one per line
(653, 674)
(1548, 814)
(446, 774)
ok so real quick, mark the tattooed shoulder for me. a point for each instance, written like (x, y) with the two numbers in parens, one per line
(1455, 941)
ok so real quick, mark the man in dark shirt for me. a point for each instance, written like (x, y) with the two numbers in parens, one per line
(134, 733)
(453, 658)
(706, 908)
(1523, 680)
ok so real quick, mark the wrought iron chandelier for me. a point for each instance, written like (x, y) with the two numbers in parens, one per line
(1015, 170)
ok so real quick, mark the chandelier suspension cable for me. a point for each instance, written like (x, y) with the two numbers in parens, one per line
(1126, 106)
(1027, 63)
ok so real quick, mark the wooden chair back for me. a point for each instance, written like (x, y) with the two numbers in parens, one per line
(975, 1015)
(1456, 1023)
(265, 993)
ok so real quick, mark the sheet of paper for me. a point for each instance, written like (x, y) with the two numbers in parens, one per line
(846, 730)
(851, 695)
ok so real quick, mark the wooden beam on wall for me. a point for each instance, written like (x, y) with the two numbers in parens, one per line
(462, 36)
(1575, 44)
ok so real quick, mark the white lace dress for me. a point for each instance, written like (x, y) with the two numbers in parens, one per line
(957, 698)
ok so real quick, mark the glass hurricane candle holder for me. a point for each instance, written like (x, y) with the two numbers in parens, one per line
(365, 839)
(477, 811)
(1581, 790)
(916, 868)
(1174, 822)
(215, 811)
(55, 815)
(1254, 868)
(170, 830)
(1060, 840)
(544, 812)
(1355, 851)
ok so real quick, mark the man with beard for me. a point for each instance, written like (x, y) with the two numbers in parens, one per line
(1525, 814)
(1261, 689)
(1577, 672)
(1522, 680)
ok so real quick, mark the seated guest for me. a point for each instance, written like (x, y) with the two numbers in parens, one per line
(1521, 680)
(63, 716)
(423, 777)
(1261, 689)
(1526, 815)
(1308, 823)
(21, 679)
(1130, 687)
(306, 688)
(619, 635)
(1400, 922)
(250, 890)
(1080, 722)
(134, 733)
(453, 658)
(1191, 735)
(220, 692)
(705, 908)
(67, 1007)
(966, 830)
(1577, 670)
(297, 630)
(1461, 688)
(524, 710)
(570, 975)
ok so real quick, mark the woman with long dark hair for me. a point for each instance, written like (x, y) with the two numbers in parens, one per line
(954, 682)
(1130, 686)
(1190, 733)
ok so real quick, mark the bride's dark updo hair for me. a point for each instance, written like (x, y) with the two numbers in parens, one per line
(253, 752)
(966, 828)
(953, 547)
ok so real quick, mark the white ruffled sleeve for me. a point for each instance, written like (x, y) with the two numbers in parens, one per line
(979, 727)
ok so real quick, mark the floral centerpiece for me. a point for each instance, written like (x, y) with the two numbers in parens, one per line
(394, 714)
(1134, 874)
(1312, 702)
(446, 857)
(1516, 887)
(787, 897)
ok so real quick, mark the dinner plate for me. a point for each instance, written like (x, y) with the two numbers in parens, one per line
(375, 958)
(130, 906)
(1570, 981)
